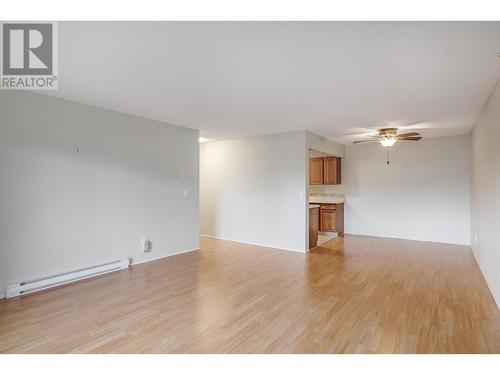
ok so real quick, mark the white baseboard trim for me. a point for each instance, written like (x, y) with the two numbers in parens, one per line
(134, 263)
(254, 244)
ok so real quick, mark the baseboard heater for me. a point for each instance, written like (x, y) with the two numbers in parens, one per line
(26, 287)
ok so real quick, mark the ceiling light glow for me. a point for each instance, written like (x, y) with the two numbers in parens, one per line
(387, 142)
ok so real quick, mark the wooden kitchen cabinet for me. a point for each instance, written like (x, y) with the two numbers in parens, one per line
(331, 171)
(328, 219)
(325, 171)
(316, 171)
(313, 226)
(331, 218)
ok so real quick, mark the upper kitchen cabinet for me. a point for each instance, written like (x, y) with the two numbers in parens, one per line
(316, 171)
(324, 171)
(331, 171)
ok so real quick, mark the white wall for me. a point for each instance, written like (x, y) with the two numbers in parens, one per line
(62, 210)
(424, 194)
(322, 144)
(254, 190)
(486, 193)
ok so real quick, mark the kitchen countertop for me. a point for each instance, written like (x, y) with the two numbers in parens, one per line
(313, 205)
(326, 198)
(325, 201)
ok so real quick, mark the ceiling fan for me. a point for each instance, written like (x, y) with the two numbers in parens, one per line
(388, 136)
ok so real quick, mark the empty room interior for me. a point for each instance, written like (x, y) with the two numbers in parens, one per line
(251, 187)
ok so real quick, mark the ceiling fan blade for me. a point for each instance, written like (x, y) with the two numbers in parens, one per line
(409, 138)
(369, 140)
(412, 134)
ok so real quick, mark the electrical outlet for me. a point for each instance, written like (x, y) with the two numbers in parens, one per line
(145, 244)
(185, 192)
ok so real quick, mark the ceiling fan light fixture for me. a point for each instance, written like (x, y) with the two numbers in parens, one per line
(387, 142)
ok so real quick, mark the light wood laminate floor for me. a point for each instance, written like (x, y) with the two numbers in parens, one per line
(351, 295)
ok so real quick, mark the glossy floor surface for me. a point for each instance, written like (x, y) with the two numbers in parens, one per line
(351, 295)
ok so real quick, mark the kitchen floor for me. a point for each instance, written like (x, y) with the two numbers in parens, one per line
(354, 294)
(324, 239)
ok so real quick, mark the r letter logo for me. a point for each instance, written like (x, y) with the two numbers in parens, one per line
(29, 56)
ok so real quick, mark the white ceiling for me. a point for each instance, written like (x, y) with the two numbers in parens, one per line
(236, 79)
